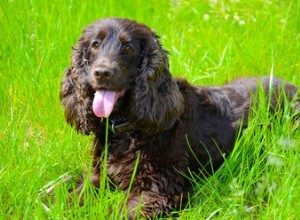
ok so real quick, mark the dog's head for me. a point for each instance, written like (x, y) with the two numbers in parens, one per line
(119, 67)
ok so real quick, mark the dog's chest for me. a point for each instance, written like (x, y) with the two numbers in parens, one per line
(135, 163)
(122, 161)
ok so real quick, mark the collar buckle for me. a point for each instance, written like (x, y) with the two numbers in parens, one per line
(120, 125)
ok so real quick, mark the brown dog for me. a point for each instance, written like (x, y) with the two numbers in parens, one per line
(120, 72)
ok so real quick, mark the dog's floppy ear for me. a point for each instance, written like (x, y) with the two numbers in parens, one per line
(158, 101)
(74, 92)
(72, 97)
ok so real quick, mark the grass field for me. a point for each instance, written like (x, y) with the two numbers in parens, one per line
(210, 42)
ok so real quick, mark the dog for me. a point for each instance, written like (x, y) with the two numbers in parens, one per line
(119, 76)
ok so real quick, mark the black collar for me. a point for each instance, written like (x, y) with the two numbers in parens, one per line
(119, 125)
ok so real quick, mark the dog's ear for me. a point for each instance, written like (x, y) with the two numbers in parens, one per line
(157, 99)
(74, 92)
(72, 98)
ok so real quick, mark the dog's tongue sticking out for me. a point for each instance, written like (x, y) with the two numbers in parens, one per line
(104, 102)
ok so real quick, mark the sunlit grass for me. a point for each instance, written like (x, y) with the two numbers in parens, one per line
(210, 42)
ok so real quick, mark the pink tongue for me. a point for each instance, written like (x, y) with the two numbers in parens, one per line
(104, 102)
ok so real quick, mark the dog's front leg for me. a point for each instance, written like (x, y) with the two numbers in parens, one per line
(151, 204)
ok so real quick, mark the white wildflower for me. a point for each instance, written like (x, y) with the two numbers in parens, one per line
(236, 17)
(234, 211)
(206, 17)
(234, 185)
(276, 161)
(242, 22)
(213, 2)
(259, 188)
(282, 21)
(272, 186)
(249, 209)
(287, 143)
(236, 188)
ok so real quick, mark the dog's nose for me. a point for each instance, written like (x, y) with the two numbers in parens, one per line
(103, 72)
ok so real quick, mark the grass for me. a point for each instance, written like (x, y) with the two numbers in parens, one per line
(210, 42)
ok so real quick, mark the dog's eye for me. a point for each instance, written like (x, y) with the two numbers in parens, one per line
(96, 45)
(128, 49)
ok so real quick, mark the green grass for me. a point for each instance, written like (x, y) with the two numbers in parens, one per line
(210, 42)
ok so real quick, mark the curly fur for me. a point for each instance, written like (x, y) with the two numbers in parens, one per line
(175, 127)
